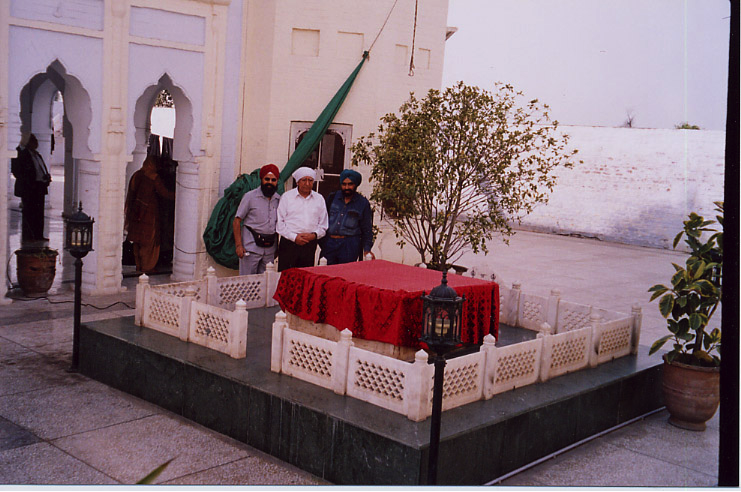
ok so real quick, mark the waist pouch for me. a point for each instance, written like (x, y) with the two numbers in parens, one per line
(263, 240)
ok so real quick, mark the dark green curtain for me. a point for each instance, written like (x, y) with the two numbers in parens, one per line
(218, 236)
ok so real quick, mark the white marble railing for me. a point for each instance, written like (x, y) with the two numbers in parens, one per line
(577, 337)
(211, 312)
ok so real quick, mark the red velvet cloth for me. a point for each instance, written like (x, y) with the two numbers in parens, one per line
(379, 300)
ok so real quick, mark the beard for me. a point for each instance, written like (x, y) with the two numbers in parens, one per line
(268, 189)
(348, 193)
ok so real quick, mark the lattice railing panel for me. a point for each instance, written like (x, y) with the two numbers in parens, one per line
(179, 289)
(463, 382)
(614, 339)
(250, 288)
(162, 311)
(210, 326)
(515, 366)
(377, 379)
(572, 316)
(532, 311)
(307, 357)
(568, 351)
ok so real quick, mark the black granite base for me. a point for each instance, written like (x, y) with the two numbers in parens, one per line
(347, 441)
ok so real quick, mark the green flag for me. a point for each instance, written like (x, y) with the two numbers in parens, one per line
(218, 236)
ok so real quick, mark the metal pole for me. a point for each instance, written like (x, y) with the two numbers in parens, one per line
(76, 329)
(437, 410)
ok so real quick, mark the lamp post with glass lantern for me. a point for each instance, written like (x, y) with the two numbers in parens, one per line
(441, 331)
(78, 240)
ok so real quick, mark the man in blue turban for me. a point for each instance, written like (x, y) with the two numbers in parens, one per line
(350, 233)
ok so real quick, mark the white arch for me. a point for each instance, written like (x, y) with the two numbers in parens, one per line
(187, 172)
(70, 61)
(183, 117)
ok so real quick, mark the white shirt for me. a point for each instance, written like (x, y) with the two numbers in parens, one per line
(297, 214)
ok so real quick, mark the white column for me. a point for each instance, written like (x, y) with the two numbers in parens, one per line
(139, 154)
(88, 179)
(187, 237)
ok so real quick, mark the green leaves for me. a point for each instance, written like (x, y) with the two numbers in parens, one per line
(666, 304)
(455, 167)
(152, 476)
(694, 295)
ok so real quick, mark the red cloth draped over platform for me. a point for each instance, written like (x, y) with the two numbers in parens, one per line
(379, 300)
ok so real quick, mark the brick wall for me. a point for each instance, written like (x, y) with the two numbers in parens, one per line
(635, 186)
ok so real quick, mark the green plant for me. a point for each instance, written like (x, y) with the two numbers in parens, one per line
(686, 126)
(453, 168)
(152, 476)
(694, 295)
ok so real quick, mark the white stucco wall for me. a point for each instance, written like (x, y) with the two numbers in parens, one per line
(301, 81)
(635, 185)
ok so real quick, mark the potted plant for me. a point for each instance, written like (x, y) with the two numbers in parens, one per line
(36, 268)
(692, 367)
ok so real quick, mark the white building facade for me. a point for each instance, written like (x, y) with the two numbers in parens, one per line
(247, 77)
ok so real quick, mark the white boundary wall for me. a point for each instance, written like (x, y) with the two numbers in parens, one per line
(635, 185)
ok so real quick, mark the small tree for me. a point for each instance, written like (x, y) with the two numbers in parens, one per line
(455, 167)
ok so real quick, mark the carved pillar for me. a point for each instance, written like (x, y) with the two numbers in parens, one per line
(139, 154)
(70, 169)
(187, 238)
(88, 178)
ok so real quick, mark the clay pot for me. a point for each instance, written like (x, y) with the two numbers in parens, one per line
(36, 268)
(691, 394)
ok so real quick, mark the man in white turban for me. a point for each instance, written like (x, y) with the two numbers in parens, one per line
(302, 220)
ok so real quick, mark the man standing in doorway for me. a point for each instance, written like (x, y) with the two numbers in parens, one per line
(32, 180)
(302, 220)
(142, 214)
(255, 239)
(350, 232)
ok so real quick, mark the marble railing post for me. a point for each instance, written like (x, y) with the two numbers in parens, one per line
(272, 276)
(184, 328)
(141, 290)
(419, 389)
(238, 331)
(340, 362)
(594, 321)
(212, 287)
(276, 347)
(637, 314)
(489, 348)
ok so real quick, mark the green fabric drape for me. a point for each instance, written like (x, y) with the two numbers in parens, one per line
(218, 236)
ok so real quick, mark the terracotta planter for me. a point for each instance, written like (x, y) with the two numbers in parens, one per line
(36, 268)
(691, 394)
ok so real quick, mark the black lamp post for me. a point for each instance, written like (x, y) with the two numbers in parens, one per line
(78, 240)
(441, 331)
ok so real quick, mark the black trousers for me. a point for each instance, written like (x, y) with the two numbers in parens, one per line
(32, 215)
(291, 255)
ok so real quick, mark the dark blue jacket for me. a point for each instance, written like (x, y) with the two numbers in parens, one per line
(350, 219)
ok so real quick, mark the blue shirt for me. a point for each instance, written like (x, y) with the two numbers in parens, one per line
(354, 218)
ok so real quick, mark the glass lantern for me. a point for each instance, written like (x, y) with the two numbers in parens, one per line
(79, 235)
(441, 318)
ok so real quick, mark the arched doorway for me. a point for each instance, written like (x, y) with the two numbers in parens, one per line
(51, 104)
(163, 121)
